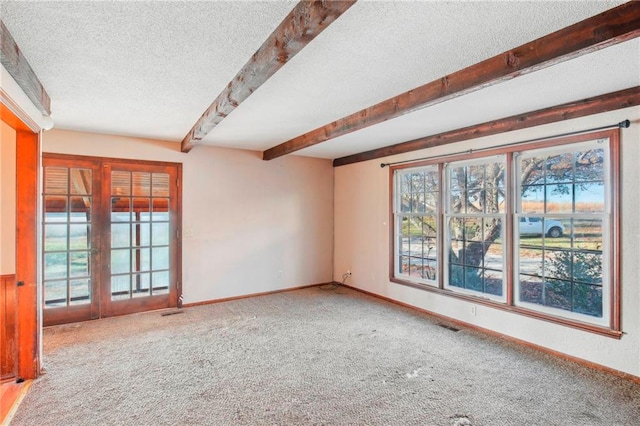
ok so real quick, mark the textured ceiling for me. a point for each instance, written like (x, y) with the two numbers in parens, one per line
(151, 68)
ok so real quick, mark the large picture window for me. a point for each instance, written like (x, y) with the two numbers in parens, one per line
(530, 228)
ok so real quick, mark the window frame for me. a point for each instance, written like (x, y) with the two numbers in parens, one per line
(611, 326)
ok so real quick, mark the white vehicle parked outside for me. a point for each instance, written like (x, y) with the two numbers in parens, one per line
(533, 226)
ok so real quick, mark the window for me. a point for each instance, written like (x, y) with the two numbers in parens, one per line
(531, 228)
(563, 212)
(475, 214)
(416, 222)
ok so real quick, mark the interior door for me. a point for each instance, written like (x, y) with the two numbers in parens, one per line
(111, 240)
(71, 239)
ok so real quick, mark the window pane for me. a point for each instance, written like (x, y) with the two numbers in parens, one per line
(81, 181)
(559, 168)
(55, 208)
(120, 183)
(590, 165)
(120, 209)
(476, 255)
(532, 199)
(80, 291)
(559, 198)
(587, 234)
(78, 264)
(79, 237)
(120, 261)
(55, 237)
(120, 287)
(160, 233)
(55, 265)
(160, 209)
(120, 236)
(80, 209)
(141, 285)
(160, 185)
(55, 294)
(141, 260)
(531, 289)
(160, 281)
(56, 180)
(141, 206)
(590, 197)
(532, 171)
(587, 299)
(160, 258)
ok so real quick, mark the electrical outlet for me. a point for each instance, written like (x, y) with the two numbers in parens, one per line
(473, 310)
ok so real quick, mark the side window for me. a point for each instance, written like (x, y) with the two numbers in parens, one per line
(564, 269)
(416, 223)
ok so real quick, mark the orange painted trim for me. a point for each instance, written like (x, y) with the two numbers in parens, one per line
(246, 296)
(457, 322)
(11, 395)
(27, 183)
(11, 119)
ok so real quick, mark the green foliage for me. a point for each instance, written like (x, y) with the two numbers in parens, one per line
(577, 282)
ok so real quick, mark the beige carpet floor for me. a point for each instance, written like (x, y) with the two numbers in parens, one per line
(318, 356)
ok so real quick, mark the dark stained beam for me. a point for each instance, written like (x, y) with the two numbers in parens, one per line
(301, 25)
(608, 28)
(609, 102)
(14, 61)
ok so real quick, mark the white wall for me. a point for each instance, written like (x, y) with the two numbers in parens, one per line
(249, 225)
(362, 246)
(7, 200)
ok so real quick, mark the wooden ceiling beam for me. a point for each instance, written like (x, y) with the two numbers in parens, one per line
(301, 25)
(608, 28)
(609, 102)
(14, 61)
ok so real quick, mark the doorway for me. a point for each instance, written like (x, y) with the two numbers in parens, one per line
(111, 242)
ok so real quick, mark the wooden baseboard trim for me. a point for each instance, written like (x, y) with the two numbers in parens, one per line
(245, 296)
(493, 333)
(12, 395)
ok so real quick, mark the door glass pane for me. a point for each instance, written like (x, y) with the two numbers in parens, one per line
(160, 282)
(160, 233)
(141, 207)
(141, 285)
(55, 208)
(120, 183)
(80, 209)
(160, 185)
(120, 261)
(55, 294)
(81, 181)
(55, 237)
(80, 291)
(160, 209)
(120, 209)
(141, 184)
(141, 260)
(160, 258)
(79, 264)
(79, 237)
(120, 287)
(120, 236)
(55, 265)
(56, 180)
